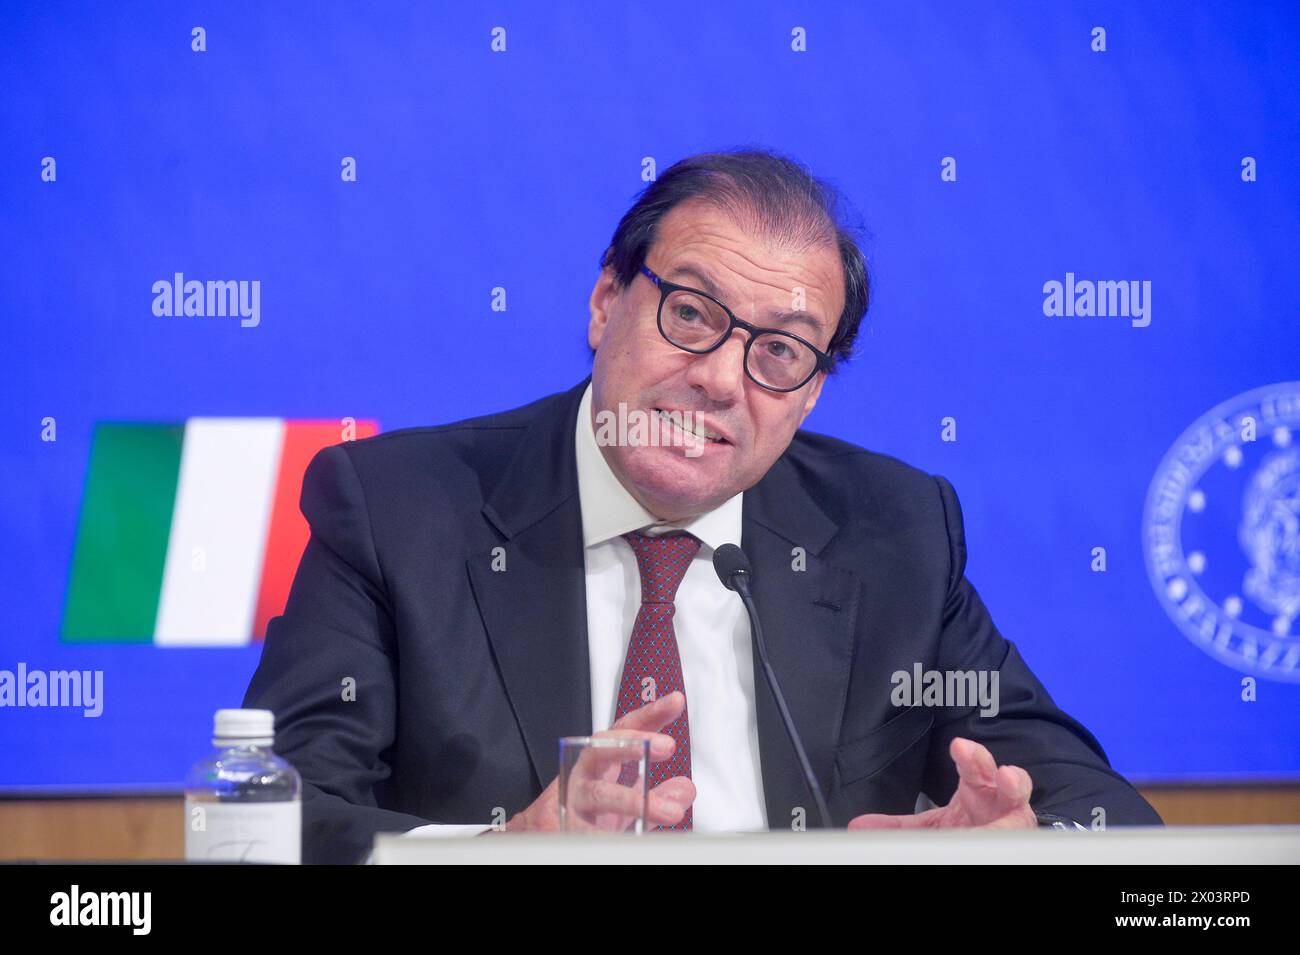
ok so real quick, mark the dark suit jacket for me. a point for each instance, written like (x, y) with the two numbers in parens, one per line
(465, 677)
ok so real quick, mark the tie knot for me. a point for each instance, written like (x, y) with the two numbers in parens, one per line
(662, 561)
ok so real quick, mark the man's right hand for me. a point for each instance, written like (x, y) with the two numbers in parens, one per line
(667, 802)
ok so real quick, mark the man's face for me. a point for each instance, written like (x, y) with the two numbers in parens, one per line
(634, 364)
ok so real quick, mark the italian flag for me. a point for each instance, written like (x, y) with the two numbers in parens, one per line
(190, 533)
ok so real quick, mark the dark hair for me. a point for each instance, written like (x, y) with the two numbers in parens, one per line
(766, 194)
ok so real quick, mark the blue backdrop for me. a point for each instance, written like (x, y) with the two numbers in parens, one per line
(479, 168)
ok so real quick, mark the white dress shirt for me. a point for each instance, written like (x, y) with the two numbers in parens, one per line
(713, 641)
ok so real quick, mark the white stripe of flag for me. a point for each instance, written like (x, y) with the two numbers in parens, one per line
(214, 556)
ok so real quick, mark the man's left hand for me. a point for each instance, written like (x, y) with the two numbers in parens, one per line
(988, 796)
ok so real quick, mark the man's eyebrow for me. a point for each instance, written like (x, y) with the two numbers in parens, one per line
(706, 283)
(700, 276)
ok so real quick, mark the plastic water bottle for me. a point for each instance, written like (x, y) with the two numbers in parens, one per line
(243, 803)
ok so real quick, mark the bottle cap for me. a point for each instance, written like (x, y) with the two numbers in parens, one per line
(243, 728)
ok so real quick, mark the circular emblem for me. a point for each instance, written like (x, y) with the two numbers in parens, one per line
(1221, 532)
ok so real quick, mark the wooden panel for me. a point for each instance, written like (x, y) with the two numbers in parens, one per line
(152, 827)
(136, 828)
(1225, 805)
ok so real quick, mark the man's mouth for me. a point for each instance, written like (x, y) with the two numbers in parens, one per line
(690, 423)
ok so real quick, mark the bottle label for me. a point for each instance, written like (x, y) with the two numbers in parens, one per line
(243, 831)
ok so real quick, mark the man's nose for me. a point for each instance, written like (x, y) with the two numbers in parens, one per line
(721, 373)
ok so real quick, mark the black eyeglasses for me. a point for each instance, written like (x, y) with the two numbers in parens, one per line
(697, 322)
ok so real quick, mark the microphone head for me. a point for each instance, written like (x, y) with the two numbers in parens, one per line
(730, 563)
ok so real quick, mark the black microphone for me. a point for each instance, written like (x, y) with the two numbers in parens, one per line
(733, 570)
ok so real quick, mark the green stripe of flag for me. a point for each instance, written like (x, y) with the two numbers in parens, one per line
(126, 517)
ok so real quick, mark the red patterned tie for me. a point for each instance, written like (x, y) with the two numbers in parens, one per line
(653, 668)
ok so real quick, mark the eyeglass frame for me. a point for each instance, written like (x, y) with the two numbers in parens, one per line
(666, 288)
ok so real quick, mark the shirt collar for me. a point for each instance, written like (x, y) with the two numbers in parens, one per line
(608, 510)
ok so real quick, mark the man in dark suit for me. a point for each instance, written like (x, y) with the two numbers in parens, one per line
(475, 591)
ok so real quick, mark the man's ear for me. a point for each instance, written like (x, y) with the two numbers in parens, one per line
(814, 392)
(602, 299)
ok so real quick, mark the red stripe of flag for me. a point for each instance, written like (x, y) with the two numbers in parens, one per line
(287, 533)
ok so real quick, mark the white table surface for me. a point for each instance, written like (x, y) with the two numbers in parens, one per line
(1217, 845)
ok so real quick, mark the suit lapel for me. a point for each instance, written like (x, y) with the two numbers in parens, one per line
(809, 617)
(535, 610)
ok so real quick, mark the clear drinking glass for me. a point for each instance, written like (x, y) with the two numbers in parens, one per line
(603, 784)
